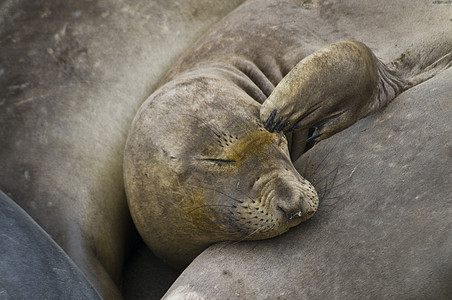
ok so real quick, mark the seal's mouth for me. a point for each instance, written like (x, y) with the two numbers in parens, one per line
(297, 214)
(294, 217)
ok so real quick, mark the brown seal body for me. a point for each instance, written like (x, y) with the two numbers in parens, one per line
(206, 162)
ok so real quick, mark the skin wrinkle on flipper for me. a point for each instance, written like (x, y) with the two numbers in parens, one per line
(208, 79)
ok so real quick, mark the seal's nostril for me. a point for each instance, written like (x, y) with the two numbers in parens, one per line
(289, 213)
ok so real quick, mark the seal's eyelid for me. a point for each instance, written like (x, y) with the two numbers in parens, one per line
(219, 160)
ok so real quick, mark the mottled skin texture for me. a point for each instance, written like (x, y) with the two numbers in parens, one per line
(72, 75)
(205, 162)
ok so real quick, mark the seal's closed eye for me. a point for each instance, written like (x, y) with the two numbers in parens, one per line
(219, 160)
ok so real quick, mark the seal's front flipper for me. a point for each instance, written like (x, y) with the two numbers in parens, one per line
(330, 90)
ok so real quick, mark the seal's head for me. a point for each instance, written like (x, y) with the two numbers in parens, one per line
(207, 171)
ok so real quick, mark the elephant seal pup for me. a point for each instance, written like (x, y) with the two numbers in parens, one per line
(208, 156)
(202, 167)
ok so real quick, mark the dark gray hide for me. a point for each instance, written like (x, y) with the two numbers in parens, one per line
(32, 264)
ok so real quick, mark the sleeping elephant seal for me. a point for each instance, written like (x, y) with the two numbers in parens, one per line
(72, 75)
(206, 162)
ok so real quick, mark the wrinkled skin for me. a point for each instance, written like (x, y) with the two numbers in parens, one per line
(350, 83)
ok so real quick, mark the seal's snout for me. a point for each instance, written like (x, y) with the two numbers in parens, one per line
(299, 208)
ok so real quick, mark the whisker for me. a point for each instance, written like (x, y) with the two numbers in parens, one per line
(244, 194)
(205, 124)
(324, 158)
(230, 197)
(325, 178)
(336, 198)
(231, 112)
(225, 222)
(210, 205)
(219, 230)
(241, 239)
(249, 235)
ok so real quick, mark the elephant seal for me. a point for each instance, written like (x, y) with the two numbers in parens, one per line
(207, 159)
